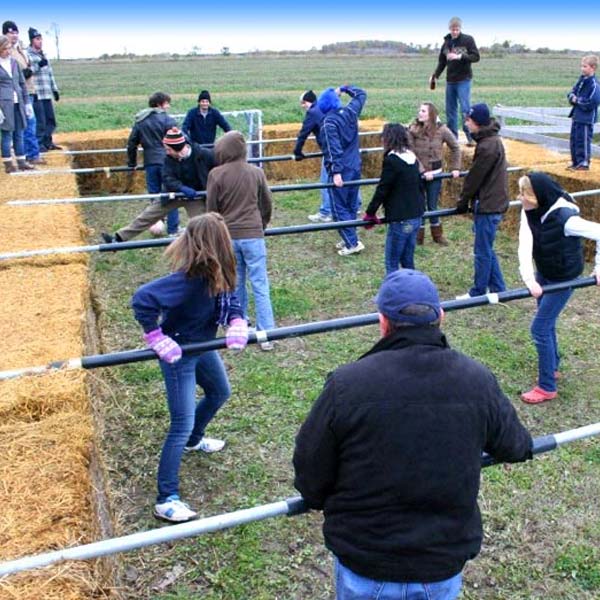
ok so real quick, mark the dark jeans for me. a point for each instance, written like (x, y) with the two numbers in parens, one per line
(154, 186)
(46, 122)
(432, 195)
(488, 274)
(188, 419)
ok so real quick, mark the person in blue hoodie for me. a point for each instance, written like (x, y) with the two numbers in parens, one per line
(200, 124)
(184, 307)
(585, 98)
(341, 153)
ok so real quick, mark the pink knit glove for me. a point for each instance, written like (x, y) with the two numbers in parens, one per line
(373, 220)
(166, 348)
(236, 337)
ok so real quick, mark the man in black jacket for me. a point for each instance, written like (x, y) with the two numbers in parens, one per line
(457, 54)
(185, 171)
(391, 452)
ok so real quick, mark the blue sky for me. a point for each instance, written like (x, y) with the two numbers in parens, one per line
(149, 27)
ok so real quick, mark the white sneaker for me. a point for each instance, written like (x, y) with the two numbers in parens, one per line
(341, 244)
(463, 296)
(320, 218)
(267, 346)
(174, 510)
(354, 250)
(208, 445)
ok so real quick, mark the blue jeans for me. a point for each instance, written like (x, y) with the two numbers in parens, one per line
(188, 418)
(32, 148)
(543, 332)
(458, 94)
(400, 243)
(344, 206)
(251, 259)
(488, 274)
(350, 586)
(325, 208)
(154, 186)
(432, 195)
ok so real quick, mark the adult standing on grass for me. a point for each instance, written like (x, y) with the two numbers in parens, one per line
(399, 190)
(485, 192)
(46, 90)
(185, 171)
(14, 108)
(32, 148)
(312, 125)
(427, 137)
(149, 129)
(240, 192)
(457, 54)
(185, 307)
(341, 153)
(395, 466)
(550, 235)
(200, 124)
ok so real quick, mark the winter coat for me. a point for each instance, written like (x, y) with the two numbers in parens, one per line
(149, 129)
(587, 92)
(430, 149)
(458, 70)
(191, 172)
(11, 83)
(23, 60)
(202, 129)
(391, 452)
(487, 180)
(237, 190)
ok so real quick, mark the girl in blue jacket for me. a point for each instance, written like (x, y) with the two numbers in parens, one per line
(184, 307)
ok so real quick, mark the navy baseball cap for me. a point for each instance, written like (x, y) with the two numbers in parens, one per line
(480, 113)
(407, 287)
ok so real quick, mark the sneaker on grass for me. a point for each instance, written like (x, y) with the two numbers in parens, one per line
(354, 250)
(320, 218)
(208, 445)
(173, 510)
(341, 244)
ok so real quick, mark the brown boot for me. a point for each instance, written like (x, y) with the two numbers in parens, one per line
(420, 236)
(24, 165)
(9, 167)
(437, 233)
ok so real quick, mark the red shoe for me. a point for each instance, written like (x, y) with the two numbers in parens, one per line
(537, 395)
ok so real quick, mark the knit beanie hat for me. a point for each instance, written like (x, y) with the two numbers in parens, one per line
(480, 113)
(174, 139)
(33, 33)
(308, 96)
(9, 27)
(204, 95)
(328, 100)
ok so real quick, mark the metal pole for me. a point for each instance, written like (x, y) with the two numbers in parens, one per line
(161, 242)
(133, 356)
(177, 195)
(290, 507)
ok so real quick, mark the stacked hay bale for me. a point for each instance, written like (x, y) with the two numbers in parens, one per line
(46, 424)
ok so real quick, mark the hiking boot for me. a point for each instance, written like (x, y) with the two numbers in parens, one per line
(208, 445)
(354, 250)
(9, 167)
(437, 233)
(173, 510)
(537, 395)
(320, 218)
(420, 236)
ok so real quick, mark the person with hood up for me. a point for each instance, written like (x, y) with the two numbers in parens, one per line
(550, 234)
(149, 129)
(341, 153)
(485, 192)
(240, 192)
(399, 190)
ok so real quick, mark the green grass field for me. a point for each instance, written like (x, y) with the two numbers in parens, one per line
(541, 519)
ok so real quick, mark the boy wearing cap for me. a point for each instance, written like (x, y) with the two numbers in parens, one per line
(485, 193)
(200, 124)
(312, 124)
(391, 452)
(185, 171)
(45, 90)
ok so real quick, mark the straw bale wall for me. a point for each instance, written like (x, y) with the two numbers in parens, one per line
(46, 423)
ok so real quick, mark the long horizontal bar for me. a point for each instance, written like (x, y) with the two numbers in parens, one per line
(133, 356)
(292, 506)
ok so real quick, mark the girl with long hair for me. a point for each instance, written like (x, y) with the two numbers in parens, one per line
(184, 307)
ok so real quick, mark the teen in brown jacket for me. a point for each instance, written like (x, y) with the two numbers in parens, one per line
(239, 192)
(427, 139)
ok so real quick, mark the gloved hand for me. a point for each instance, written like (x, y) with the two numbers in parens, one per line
(344, 88)
(27, 72)
(166, 348)
(43, 63)
(462, 208)
(236, 337)
(188, 192)
(29, 111)
(373, 220)
(299, 157)
(56, 96)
